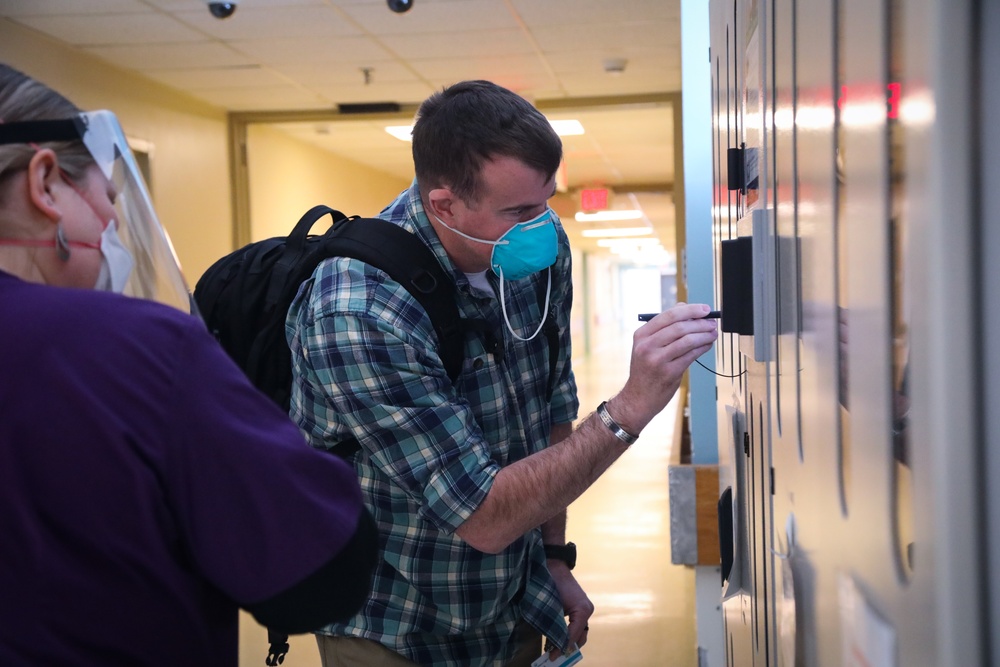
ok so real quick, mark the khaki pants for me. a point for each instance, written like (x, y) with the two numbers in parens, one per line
(357, 652)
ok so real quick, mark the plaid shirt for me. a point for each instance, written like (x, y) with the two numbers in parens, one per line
(367, 366)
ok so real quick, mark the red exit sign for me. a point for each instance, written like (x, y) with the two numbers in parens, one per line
(893, 91)
(593, 199)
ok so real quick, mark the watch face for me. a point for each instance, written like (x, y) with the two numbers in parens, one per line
(571, 555)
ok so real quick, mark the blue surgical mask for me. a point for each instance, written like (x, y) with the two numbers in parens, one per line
(526, 248)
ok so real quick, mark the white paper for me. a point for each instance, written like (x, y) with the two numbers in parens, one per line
(867, 640)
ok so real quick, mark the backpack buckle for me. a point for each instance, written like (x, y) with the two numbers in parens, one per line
(277, 651)
(425, 282)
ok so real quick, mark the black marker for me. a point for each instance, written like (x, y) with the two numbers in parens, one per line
(712, 315)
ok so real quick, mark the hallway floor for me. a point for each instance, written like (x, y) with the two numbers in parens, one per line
(621, 526)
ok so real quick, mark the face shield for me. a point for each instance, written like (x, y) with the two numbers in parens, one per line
(156, 274)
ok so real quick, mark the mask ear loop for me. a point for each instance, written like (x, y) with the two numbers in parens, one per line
(545, 311)
(62, 245)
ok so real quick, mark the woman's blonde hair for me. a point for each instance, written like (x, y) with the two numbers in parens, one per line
(22, 99)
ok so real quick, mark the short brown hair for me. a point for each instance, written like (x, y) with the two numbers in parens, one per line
(469, 123)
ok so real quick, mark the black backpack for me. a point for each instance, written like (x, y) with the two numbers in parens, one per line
(245, 296)
(244, 299)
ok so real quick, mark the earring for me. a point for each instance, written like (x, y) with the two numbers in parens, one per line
(62, 245)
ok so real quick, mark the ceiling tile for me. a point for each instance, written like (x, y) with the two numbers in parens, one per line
(150, 57)
(250, 22)
(463, 44)
(444, 16)
(404, 93)
(639, 39)
(347, 73)
(112, 29)
(264, 98)
(291, 51)
(630, 83)
(595, 84)
(182, 5)
(595, 12)
(218, 77)
(522, 73)
(15, 8)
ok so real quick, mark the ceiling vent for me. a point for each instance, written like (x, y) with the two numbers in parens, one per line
(369, 107)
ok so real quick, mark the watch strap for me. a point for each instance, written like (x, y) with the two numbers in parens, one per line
(564, 552)
(616, 430)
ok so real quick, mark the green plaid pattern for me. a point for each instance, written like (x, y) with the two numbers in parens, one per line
(367, 367)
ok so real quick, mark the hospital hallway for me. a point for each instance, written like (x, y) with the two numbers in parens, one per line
(644, 605)
(644, 613)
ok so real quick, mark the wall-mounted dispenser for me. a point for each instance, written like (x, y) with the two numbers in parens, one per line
(747, 284)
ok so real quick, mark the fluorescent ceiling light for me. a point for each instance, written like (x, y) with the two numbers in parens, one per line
(563, 128)
(401, 132)
(608, 216)
(641, 242)
(651, 257)
(618, 232)
(566, 128)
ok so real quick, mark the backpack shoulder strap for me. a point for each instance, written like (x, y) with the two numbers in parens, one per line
(413, 265)
(551, 331)
(288, 270)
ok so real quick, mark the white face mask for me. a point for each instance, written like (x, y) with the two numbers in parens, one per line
(116, 261)
(144, 243)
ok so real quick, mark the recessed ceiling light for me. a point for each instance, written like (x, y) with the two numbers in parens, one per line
(401, 132)
(607, 216)
(642, 242)
(567, 128)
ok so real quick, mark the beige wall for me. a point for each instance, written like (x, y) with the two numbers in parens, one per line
(288, 177)
(190, 170)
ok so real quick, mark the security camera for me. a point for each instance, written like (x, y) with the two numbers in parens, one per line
(222, 10)
(400, 6)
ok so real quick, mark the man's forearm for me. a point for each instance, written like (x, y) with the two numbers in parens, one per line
(554, 530)
(532, 491)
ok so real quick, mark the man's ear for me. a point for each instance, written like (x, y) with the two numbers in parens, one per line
(44, 179)
(440, 202)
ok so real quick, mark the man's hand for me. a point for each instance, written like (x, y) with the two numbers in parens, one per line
(575, 603)
(662, 350)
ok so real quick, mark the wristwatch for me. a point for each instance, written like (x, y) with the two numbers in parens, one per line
(564, 552)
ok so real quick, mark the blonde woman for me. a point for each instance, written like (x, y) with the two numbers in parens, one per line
(147, 490)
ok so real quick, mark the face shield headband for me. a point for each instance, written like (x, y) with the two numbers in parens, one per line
(157, 274)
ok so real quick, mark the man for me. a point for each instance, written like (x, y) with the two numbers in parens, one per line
(469, 481)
